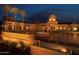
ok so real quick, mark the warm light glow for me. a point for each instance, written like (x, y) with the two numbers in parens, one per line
(15, 37)
(18, 45)
(63, 50)
(61, 28)
(27, 27)
(52, 19)
(56, 28)
(75, 28)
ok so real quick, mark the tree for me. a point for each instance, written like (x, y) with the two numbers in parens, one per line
(6, 9)
(14, 10)
(23, 14)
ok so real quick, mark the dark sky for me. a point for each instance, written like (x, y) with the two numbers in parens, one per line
(66, 13)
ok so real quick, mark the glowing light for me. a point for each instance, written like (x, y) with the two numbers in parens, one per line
(56, 28)
(18, 45)
(15, 37)
(52, 20)
(63, 50)
(27, 27)
(75, 28)
(61, 28)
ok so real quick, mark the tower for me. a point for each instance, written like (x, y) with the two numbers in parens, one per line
(52, 18)
(52, 24)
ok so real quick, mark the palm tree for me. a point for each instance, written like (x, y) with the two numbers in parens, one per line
(6, 9)
(23, 14)
(14, 10)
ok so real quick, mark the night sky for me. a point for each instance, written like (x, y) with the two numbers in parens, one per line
(66, 13)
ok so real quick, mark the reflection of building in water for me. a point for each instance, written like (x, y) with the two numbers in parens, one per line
(52, 25)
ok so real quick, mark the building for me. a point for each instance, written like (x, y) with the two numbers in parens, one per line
(58, 32)
(10, 24)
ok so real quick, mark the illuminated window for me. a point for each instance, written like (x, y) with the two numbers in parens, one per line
(74, 28)
(27, 27)
(52, 20)
(56, 28)
(61, 28)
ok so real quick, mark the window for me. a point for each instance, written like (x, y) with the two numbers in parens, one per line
(56, 28)
(64, 28)
(61, 28)
(74, 28)
(27, 28)
(10, 28)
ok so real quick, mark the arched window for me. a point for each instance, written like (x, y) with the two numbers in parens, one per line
(61, 28)
(19, 28)
(56, 28)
